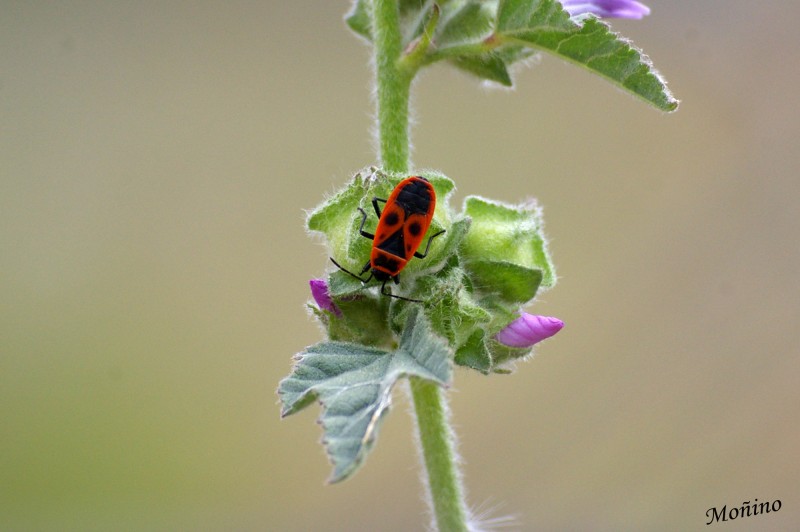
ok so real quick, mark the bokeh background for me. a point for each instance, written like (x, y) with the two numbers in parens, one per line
(156, 160)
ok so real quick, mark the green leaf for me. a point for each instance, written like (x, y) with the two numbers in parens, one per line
(453, 312)
(411, 12)
(354, 383)
(363, 320)
(474, 354)
(484, 38)
(469, 21)
(337, 215)
(507, 233)
(511, 282)
(442, 248)
(504, 357)
(358, 19)
(501, 312)
(466, 26)
(544, 25)
(342, 285)
(489, 66)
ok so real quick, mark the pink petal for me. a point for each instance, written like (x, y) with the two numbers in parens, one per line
(528, 330)
(319, 291)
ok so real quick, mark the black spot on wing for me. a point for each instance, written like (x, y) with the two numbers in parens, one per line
(392, 218)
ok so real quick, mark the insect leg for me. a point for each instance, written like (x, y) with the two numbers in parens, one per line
(365, 269)
(388, 292)
(428, 247)
(361, 229)
(375, 201)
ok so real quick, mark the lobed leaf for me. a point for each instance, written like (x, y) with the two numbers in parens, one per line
(353, 383)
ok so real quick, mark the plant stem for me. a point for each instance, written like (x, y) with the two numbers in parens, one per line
(394, 86)
(435, 435)
(438, 451)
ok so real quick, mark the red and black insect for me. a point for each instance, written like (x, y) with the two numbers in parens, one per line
(402, 225)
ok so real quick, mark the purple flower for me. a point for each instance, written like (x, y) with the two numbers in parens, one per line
(606, 8)
(319, 290)
(528, 330)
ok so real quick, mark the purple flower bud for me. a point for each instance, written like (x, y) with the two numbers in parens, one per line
(319, 290)
(528, 330)
(606, 8)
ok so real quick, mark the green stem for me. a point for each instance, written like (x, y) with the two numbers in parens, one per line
(436, 440)
(435, 435)
(394, 86)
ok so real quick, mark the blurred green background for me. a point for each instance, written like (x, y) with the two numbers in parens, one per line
(156, 160)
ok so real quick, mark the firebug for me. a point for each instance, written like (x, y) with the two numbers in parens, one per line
(402, 225)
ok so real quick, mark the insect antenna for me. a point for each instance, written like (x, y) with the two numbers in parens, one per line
(345, 270)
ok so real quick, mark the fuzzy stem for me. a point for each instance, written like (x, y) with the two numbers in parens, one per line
(438, 451)
(435, 435)
(394, 86)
